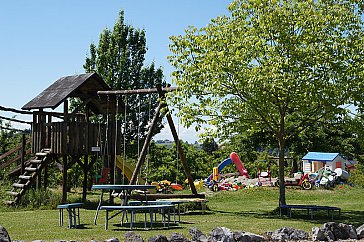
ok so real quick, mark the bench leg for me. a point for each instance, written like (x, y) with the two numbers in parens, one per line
(70, 221)
(106, 219)
(132, 219)
(73, 211)
(151, 218)
(203, 207)
(179, 213)
(78, 215)
(61, 217)
(169, 216)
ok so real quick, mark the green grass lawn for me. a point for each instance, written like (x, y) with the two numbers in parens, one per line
(252, 210)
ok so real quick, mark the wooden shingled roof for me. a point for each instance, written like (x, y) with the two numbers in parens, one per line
(84, 86)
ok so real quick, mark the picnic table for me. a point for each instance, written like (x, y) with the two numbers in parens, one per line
(125, 207)
(125, 190)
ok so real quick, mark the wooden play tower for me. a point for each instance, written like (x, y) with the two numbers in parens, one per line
(72, 137)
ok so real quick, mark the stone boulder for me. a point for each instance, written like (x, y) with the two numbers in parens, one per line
(197, 235)
(158, 238)
(176, 237)
(319, 234)
(132, 237)
(221, 234)
(112, 240)
(334, 231)
(360, 232)
(4, 235)
(241, 236)
(287, 233)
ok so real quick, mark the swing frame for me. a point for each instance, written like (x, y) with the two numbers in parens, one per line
(162, 105)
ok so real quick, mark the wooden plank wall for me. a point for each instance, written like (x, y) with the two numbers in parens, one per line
(81, 136)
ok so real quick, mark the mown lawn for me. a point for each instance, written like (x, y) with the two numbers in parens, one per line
(252, 210)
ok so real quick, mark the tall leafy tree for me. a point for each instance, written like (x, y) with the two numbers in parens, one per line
(272, 66)
(119, 59)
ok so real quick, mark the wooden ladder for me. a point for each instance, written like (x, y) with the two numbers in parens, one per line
(32, 170)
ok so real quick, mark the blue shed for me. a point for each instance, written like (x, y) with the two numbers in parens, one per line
(313, 161)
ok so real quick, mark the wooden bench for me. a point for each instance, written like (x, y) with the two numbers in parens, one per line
(158, 202)
(175, 202)
(310, 209)
(133, 209)
(73, 210)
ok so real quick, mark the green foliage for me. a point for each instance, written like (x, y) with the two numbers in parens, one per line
(272, 66)
(209, 145)
(119, 59)
(166, 165)
(357, 175)
(39, 198)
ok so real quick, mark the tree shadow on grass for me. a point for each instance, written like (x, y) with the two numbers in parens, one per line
(139, 226)
(355, 218)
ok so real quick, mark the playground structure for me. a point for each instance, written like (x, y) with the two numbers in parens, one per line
(67, 137)
(234, 158)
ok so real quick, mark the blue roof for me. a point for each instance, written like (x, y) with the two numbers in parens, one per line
(320, 156)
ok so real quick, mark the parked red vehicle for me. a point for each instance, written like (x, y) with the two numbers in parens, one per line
(303, 182)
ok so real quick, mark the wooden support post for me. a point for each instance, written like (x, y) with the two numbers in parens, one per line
(39, 180)
(144, 151)
(176, 140)
(34, 130)
(64, 179)
(22, 158)
(45, 177)
(64, 151)
(85, 169)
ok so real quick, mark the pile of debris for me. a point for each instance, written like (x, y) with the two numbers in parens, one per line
(327, 178)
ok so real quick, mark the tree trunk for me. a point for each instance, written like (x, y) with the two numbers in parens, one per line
(282, 191)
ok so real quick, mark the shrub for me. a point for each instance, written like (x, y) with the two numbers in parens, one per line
(357, 176)
(39, 198)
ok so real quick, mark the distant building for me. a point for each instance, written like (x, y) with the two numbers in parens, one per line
(168, 143)
(313, 161)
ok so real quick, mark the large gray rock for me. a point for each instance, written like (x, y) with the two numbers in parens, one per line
(197, 235)
(158, 238)
(241, 236)
(112, 240)
(287, 233)
(340, 231)
(318, 234)
(132, 237)
(221, 234)
(176, 237)
(4, 235)
(360, 232)
(334, 231)
(348, 231)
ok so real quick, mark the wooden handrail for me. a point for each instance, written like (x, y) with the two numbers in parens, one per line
(9, 162)
(13, 150)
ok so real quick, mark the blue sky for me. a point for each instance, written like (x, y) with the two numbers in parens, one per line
(43, 40)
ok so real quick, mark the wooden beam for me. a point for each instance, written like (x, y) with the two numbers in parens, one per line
(136, 91)
(13, 150)
(176, 140)
(11, 161)
(15, 120)
(14, 110)
(144, 151)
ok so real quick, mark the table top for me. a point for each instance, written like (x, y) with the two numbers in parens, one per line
(124, 187)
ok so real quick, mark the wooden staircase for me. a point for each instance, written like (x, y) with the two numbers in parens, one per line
(32, 170)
